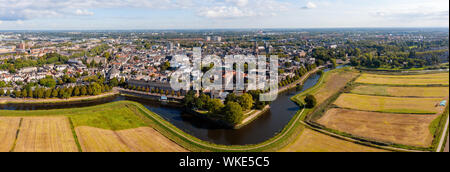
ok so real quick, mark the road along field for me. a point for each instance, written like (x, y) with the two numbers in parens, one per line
(312, 141)
(329, 84)
(45, 134)
(378, 90)
(142, 139)
(418, 80)
(392, 128)
(389, 104)
(8, 131)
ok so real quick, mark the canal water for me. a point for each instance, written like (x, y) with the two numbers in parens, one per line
(265, 127)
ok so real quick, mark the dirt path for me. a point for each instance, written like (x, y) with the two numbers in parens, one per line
(441, 143)
(446, 146)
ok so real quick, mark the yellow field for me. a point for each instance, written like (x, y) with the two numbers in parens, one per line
(440, 92)
(45, 134)
(142, 139)
(333, 83)
(430, 79)
(389, 104)
(146, 139)
(312, 141)
(8, 130)
(100, 140)
(394, 128)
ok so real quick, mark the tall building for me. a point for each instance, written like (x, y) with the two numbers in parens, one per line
(208, 39)
(170, 46)
(22, 45)
(218, 39)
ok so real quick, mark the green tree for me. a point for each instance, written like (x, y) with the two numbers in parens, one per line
(48, 93)
(54, 93)
(76, 91)
(215, 106)
(246, 101)
(24, 94)
(232, 113)
(83, 91)
(310, 101)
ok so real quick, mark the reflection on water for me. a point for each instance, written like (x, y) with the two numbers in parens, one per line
(269, 124)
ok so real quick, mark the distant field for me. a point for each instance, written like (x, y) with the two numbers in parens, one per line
(312, 141)
(45, 134)
(428, 79)
(439, 92)
(8, 130)
(333, 81)
(404, 129)
(142, 139)
(389, 104)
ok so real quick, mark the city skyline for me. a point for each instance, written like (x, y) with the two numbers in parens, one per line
(220, 14)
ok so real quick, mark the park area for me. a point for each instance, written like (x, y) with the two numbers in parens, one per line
(114, 127)
(394, 109)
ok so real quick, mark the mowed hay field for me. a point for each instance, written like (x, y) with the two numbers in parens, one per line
(113, 127)
(332, 82)
(404, 129)
(8, 130)
(438, 92)
(410, 80)
(45, 134)
(143, 139)
(389, 104)
(312, 141)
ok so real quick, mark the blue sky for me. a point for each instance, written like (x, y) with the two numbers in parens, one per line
(211, 14)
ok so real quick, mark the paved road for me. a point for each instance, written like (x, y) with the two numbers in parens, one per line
(446, 146)
(441, 143)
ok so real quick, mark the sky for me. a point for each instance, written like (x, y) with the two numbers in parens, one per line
(219, 14)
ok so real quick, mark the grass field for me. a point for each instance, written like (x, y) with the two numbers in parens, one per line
(45, 134)
(138, 140)
(142, 139)
(8, 130)
(389, 104)
(312, 141)
(407, 80)
(332, 82)
(437, 92)
(100, 140)
(120, 117)
(404, 129)
(103, 128)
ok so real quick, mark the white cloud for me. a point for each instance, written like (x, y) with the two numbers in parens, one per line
(1, 22)
(81, 12)
(226, 12)
(239, 3)
(310, 5)
(234, 9)
(13, 10)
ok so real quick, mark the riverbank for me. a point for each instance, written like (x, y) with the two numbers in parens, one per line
(252, 115)
(9, 100)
